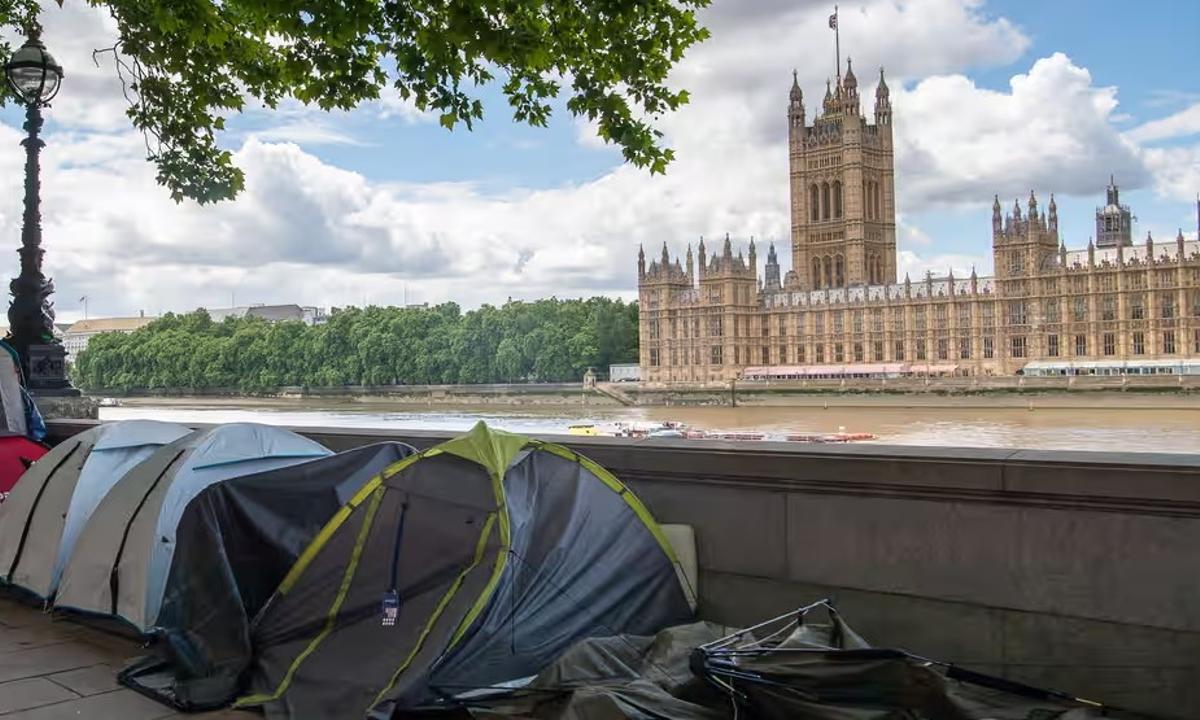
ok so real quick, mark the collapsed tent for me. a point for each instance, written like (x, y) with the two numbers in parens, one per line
(44, 514)
(17, 454)
(234, 544)
(793, 666)
(119, 564)
(472, 564)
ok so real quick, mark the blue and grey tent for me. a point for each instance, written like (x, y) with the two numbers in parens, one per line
(120, 561)
(44, 514)
(470, 565)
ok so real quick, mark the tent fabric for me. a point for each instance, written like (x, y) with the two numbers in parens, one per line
(235, 543)
(41, 521)
(12, 400)
(470, 564)
(819, 671)
(17, 454)
(120, 563)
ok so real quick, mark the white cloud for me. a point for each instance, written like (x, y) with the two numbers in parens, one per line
(310, 131)
(306, 231)
(1176, 171)
(959, 143)
(1181, 124)
(916, 266)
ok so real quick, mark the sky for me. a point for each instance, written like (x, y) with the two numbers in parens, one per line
(384, 206)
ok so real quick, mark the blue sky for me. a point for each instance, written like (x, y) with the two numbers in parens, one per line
(380, 203)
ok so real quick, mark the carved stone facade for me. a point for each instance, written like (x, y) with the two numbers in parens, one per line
(841, 313)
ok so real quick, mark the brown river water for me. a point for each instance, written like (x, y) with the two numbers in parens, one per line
(1149, 423)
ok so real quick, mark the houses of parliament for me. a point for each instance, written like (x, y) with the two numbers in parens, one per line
(1111, 308)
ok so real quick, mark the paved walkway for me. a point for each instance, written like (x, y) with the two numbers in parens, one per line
(53, 669)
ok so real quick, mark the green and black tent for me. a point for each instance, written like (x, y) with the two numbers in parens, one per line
(469, 566)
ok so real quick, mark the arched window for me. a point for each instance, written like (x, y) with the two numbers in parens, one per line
(869, 200)
(878, 202)
(840, 272)
(824, 201)
(828, 271)
(837, 198)
(814, 202)
(816, 272)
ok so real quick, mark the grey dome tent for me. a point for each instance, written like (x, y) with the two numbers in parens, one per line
(469, 565)
(234, 544)
(120, 562)
(45, 512)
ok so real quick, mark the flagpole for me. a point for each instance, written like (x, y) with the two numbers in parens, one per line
(837, 43)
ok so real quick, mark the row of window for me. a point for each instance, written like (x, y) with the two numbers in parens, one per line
(1017, 314)
(943, 349)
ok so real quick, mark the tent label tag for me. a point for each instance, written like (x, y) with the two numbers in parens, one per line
(391, 607)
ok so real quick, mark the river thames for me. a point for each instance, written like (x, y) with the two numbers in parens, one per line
(1147, 423)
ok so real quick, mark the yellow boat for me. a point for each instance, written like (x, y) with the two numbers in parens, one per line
(588, 430)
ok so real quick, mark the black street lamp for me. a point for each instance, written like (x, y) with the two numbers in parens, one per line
(34, 78)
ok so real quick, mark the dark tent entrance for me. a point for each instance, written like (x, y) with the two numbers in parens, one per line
(469, 566)
(235, 542)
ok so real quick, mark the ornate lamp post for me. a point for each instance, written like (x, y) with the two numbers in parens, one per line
(34, 78)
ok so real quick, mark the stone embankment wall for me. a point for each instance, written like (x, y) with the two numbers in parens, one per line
(766, 393)
(1072, 570)
(568, 394)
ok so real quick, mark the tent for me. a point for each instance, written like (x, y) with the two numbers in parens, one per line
(17, 454)
(472, 564)
(793, 666)
(42, 518)
(12, 399)
(119, 564)
(234, 544)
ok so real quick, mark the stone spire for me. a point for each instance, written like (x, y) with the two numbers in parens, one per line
(753, 256)
(641, 261)
(703, 257)
(828, 105)
(1033, 207)
(796, 123)
(666, 256)
(691, 268)
(1149, 246)
(1053, 220)
(1016, 210)
(1091, 253)
(771, 270)
(850, 90)
(1179, 246)
(997, 218)
(883, 102)
(728, 249)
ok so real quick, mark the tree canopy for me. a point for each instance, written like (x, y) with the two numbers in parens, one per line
(188, 65)
(544, 341)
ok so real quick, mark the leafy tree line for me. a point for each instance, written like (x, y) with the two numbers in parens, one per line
(545, 341)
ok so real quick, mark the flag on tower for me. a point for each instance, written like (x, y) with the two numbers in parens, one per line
(833, 20)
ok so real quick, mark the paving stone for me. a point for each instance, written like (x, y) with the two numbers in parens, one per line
(14, 615)
(116, 705)
(32, 636)
(49, 659)
(31, 693)
(89, 680)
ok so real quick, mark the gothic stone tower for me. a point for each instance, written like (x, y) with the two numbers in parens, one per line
(1114, 222)
(842, 189)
